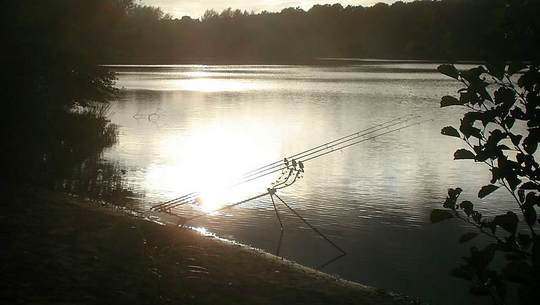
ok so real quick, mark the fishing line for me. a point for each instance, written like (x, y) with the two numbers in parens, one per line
(291, 171)
(312, 153)
(268, 169)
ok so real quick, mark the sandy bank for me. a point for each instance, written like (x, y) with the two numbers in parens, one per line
(62, 251)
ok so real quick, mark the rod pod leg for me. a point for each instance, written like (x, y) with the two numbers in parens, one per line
(280, 223)
(311, 226)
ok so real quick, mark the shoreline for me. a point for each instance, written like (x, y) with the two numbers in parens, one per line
(119, 211)
(181, 259)
(319, 61)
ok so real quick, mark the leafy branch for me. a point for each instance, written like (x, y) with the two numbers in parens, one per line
(503, 118)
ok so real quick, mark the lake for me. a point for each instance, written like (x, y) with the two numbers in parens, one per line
(195, 128)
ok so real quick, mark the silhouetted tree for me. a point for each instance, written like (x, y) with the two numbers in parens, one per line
(54, 92)
(447, 30)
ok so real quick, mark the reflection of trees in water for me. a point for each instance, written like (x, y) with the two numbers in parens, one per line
(98, 180)
(73, 162)
(83, 133)
(72, 159)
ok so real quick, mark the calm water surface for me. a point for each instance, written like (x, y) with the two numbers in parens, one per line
(196, 128)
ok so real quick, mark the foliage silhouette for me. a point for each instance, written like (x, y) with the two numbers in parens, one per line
(502, 130)
(448, 30)
(55, 93)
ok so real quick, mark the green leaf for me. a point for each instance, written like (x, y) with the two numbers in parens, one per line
(473, 75)
(486, 190)
(467, 207)
(518, 113)
(462, 154)
(495, 174)
(477, 217)
(530, 215)
(488, 116)
(495, 137)
(529, 186)
(505, 96)
(467, 129)
(439, 215)
(530, 144)
(449, 70)
(509, 122)
(532, 199)
(508, 222)
(484, 155)
(516, 139)
(467, 236)
(468, 97)
(521, 195)
(513, 181)
(450, 131)
(453, 194)
(450, 101)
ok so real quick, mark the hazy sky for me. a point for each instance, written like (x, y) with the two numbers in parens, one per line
(195, 8)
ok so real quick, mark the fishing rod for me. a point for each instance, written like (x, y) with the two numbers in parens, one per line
(324, 147)
(278, 163)
(367, 139)
(335, 149)
(291, 172)
(328, 143)
(305, 156)
(334, 143)
(271, 168)
(291, 177)
(191, 197)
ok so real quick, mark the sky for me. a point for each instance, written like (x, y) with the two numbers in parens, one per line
(196, 8)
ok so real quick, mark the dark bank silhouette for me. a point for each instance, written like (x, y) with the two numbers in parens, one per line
(54, 94)
(444, 30)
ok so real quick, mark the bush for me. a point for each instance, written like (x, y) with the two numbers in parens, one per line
(501, 129)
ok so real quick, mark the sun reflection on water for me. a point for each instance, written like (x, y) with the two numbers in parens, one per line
(203, 84)
(203, 231)
(211, 200)
(209, 161)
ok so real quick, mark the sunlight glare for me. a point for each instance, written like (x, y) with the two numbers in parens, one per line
(209, 161)
(203, 84)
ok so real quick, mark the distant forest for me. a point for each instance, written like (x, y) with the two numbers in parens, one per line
(123, 32)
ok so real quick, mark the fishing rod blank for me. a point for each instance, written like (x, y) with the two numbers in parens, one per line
(304, 160)
(271, 191)
(270, 169)
(352, 136)
(355, 134)
(295, 168)
(273, 165)
(189, 198)
(370, 138)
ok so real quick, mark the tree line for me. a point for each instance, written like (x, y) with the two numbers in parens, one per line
(442, 30)
(122, 31)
